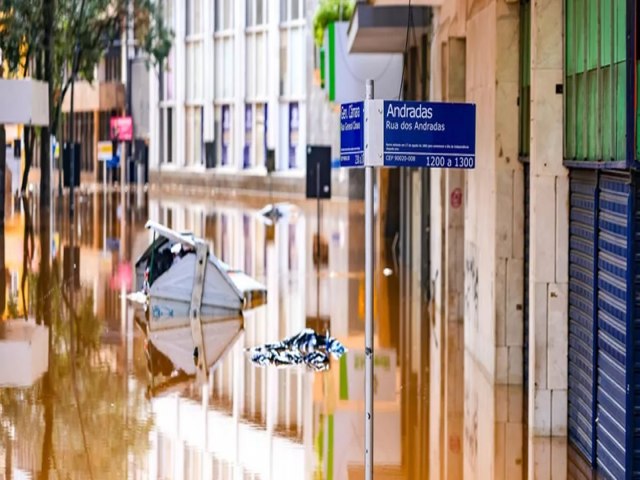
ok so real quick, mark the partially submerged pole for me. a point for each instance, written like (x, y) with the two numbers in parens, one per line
(368, 328)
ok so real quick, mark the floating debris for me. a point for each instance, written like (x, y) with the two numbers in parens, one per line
(306, 347)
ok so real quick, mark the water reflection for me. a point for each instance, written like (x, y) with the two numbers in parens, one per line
(83, 419)
(112, 404)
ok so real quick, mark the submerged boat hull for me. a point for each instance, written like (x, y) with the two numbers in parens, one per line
(177, 343)
(170, 296)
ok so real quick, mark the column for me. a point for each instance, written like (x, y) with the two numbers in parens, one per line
(548, 280)
(493, 249)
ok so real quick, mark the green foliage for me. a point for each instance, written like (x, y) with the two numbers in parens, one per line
(99, 418)
(330, 11)
(85, 27)
(12, 307)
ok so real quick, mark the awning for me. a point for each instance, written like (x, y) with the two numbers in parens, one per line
(24, 101)
(383, 29)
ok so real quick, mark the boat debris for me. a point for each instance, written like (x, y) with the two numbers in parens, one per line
(305, 348)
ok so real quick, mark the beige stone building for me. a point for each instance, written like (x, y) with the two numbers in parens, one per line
(522, 270)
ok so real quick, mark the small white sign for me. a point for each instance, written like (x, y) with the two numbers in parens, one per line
(105, 151)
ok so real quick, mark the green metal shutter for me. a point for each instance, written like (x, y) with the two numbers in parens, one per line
(595, 80)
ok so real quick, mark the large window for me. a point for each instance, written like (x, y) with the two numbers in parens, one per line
(224, 49)
(292, 48)
(193, 135)
(595, 100)
(167, 122)
(257, 74)
(291, 10)
(223, 15)
(194, 82)
(256, 57)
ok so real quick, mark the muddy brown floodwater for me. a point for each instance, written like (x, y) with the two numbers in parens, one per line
(87, 396)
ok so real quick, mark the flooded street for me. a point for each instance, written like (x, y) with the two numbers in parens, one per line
(97, 399)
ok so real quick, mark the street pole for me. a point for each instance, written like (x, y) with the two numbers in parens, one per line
(318, 242)
(72, 166)
(368, 325)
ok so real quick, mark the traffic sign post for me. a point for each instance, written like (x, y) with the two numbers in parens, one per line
(387, 133)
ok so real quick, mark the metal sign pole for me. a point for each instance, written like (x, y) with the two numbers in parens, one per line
(368, 328)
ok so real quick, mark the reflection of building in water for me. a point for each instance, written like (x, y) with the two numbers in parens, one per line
(292, 404)
(236, 429)
(254, 421)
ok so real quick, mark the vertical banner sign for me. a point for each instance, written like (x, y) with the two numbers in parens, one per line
(352, 134)
(426, 134)
(226, 133)
(248, 127)
(294, 125)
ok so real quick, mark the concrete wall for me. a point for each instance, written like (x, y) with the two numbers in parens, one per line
(490, 263)
(477, 252)
(494, 249)
(549, 247)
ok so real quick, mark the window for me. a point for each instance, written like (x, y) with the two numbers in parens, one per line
(194, 82)
(167, 124)
(224, 87)
(255, 147)
(291, 10)
(224, 132)
(167, 134)
(193, 17)
(194, 75)
(224, 45)
(294, 133)
(292, 48)
(256, 48)
(595, 81)
(167, 69)
(256, 12)
(223, 15)
(193, 135)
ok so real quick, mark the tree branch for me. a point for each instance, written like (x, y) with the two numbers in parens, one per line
(56, 115)
(27, 58)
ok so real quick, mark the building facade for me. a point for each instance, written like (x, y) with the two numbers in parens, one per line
(211, 113)
(531, 279)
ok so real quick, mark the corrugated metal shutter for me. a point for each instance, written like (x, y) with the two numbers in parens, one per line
(582, 321)
(613, 314)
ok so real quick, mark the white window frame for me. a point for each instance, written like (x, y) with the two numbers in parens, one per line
(220, 37)
(295, 30)
(291, 21)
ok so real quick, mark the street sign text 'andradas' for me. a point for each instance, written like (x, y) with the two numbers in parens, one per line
(411, 134)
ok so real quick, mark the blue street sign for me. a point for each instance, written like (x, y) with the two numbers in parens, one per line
(352, 134)
(426, 134)
(114, 162)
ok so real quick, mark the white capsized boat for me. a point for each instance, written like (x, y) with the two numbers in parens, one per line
(195, 301)
(170, 354)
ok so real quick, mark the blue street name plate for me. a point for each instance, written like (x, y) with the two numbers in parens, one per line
(352, 134)
(426, 134)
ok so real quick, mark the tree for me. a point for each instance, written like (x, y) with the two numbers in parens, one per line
(57, 40)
